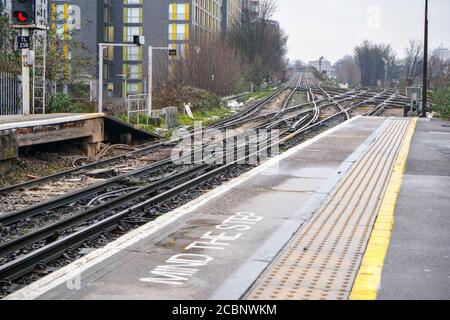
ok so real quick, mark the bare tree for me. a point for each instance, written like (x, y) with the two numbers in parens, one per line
(413, 61)
(261, 41)
(347, 71)
(299, 65)
(438, 70)
(66, 60)
(9, 55)
(372, 59)
(209, 63)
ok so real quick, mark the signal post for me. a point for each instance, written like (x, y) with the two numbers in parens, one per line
(27, 15)
(26, 73)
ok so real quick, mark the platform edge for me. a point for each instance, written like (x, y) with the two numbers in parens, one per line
(69, 272)
(237, 286)
(368, 278)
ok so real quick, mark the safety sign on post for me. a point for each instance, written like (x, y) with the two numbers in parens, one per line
(23, 42)
(172, 52)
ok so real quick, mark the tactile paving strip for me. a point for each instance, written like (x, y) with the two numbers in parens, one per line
(322, 260)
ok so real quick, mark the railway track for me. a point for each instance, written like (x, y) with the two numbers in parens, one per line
(67, 203)
(104, 207)
(124, 166)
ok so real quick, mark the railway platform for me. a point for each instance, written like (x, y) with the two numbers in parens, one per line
(89, 129)
(312, 223)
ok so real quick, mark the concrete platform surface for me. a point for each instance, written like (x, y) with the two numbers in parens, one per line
(322, 260)
(226, 237)
(21, 121)
(418, 262)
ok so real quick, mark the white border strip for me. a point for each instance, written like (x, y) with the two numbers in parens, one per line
(70, 271)
(55, 120)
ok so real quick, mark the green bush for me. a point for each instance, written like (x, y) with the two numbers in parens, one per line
(177, 96)
(85, 107)
(61, 103)
(202, 100)
(207, 117)
(441, 100)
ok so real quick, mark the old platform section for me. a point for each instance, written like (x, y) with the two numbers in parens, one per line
(88, 129)
(312, 223)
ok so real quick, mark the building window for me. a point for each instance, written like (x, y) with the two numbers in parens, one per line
(181, 50)
(132, 88)
(133, 15)
(130, 32)
(132, 54)
(109, 34)
(60, 12)
(133, 71)
(178, 31)
(178, 11)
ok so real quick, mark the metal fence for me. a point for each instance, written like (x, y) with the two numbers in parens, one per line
(10, 94)
(137, 106)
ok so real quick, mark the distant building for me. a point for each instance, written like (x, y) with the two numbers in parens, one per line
(115, 22)
(442, 53)
(251, 6)
(231, 14)
(170, 23)
(274, 23)
(206, 15)
(163, 23)
(5, 5)
(326, 66)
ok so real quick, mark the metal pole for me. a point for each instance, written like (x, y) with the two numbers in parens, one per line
(386, 77)
(126, 87)
(25, 77)
(425, 63)
(100, 78)
(91, 87)
(150, 82)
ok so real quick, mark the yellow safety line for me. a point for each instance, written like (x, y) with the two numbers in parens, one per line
(369, 274)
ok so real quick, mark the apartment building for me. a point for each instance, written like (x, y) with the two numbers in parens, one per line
(323, 65)
(170, 23)
(68, 21)
(187, 18)
(251, 6)
(163, 23)
(231, 13)
(443, 53)
(116, 21)
(5, 5)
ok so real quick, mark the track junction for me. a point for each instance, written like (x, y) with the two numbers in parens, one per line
(52, 221)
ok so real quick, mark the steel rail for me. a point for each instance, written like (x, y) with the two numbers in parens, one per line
(100, 163)
(26, 263)
(55, 229)
(93, 165)
(252, 109)
(331, 99)
(65, 199)
(292, 118)
(380, 108)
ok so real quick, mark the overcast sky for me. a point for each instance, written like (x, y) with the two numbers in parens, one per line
(332, 28)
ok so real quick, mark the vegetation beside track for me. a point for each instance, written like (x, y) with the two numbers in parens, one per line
(441, 99)
(206, 117)
(259, 94)
(62, 103)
